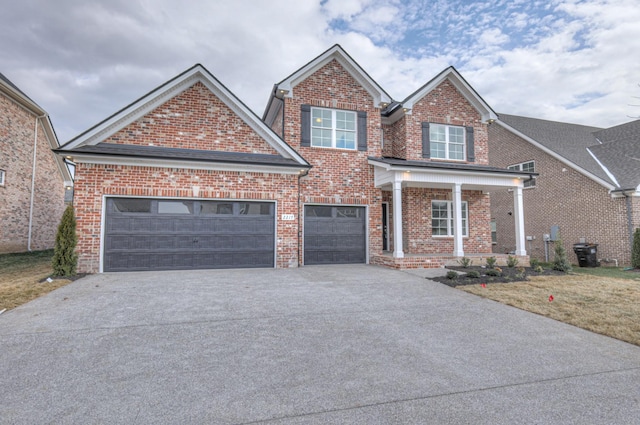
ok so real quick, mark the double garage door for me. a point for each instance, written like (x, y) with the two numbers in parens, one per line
(175, 234)
(159, 234)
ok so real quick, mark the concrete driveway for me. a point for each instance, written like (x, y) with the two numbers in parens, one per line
(315, 345)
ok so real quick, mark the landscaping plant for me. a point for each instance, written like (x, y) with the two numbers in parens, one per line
(512, 261)
(635, 253)
(65, 259)
(561, 262)
(491, 262)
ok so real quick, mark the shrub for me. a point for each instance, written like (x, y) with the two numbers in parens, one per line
(560, 262)
(635, 253)
(493, 272)
(464, 262)
(452, 275)
(534, 262)
(65, 259)
(512, 261)
(538, 269)
(491, 262)
(474, 274)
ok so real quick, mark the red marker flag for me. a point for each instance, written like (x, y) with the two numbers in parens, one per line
(484, 285)
(550, 298)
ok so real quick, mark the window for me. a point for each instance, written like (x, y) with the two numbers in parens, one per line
(1, 177)
(442, 218)
(526, 167)
(332, 128)
(494, 233)
(175, 207)
(446, 142)
(216, 208)
(125, 205)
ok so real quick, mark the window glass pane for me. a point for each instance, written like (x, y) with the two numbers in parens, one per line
(175, 207)
(514, 167)
(1, 177)
(456, 152)
(216, 207)
(494, 234)
(456, 135)
(255, 208)
(528, 167)
(345, 120)
(124, 205)
(349, 212)
(345, 140)
(438, 150)
(320, 137)
(321, 118)
(437, 133)
(318, 211)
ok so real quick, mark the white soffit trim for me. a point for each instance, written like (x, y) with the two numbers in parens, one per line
(191, 165)
(169, 90)
(287, 86)
(448, 171)
(461, 85)
(557, 156)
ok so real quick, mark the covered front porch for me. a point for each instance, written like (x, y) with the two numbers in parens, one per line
(440, 212)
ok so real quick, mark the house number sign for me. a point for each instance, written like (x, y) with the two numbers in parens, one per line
(288, 217)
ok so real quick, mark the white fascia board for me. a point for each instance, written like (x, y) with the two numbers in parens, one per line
(557, 156)
(191, 165)
(157, 98)
(23, 101)
(606, 170)
(461, 85)
(287, 86)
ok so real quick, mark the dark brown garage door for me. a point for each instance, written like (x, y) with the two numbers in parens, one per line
(334, 234)
(168, 234)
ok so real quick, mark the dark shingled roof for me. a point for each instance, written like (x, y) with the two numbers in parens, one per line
(13, 86)
(570, 141)
(620, 152)
(156, 152)
(447, 166)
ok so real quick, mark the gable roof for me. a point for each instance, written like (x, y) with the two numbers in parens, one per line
(18, 96)
(619, 153)
(460, 84)
(566, 142)
(336, 52)
(167, 91)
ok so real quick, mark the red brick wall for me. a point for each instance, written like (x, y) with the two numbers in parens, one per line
(194, 119)
(562, 196)
(338, 176)
(17, 128)
(95, 181)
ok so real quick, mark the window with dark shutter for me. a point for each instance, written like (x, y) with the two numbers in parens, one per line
(362, 130)
(426, 148)
(471, 157)
(305, 123)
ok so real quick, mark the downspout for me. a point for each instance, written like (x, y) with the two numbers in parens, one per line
(33, 182)
(629, 221)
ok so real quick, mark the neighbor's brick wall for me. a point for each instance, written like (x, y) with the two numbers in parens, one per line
(338, 176)
(444, 105)
(17, 127)
(94, 181)
(562, 196)
(194, 119)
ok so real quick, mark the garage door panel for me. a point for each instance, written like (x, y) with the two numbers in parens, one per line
(334, 235)
(181, 238)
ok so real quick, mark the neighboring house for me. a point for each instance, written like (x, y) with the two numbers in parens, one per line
(336, 171)
(33, 180)
(587, 185)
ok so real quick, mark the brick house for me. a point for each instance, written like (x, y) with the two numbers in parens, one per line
(33, 180)
(587, 185)
(335, 171)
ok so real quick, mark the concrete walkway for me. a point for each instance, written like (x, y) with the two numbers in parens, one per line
(315, 345)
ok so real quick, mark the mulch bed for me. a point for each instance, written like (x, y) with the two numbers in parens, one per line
(508, 275)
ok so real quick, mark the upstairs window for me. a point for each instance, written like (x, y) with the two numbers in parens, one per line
(2, 177)
(442, 218)
(447, 142)
(525, 167)
(331, 128)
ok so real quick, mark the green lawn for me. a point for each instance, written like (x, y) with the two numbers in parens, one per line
(614, 272)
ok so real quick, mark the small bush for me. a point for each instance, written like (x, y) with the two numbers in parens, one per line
(534, 262)
(491, 262)
(65, 259)
(493, 272)
(538, 269)
(635, 253)
(452, 275)
(473, 274)
(464, 262)
(560, 262)
(512, 262)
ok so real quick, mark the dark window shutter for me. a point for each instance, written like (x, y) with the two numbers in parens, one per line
(471, 157)
(362, 130)
(305, 124)
(426, 145)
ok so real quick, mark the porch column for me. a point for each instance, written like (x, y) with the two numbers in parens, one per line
(397, 220)
(458, 248)
(518, 211)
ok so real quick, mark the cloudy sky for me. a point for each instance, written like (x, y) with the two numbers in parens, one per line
(565, 60)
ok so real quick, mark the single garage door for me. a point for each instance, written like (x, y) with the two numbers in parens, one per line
(174, 234)
(334, 234)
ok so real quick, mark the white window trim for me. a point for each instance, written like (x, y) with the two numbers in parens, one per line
(333, 129)
(519, 168)
(450, 219)
(2, 177)
(447, 142)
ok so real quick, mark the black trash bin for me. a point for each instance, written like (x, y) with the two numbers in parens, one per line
(587, 254)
